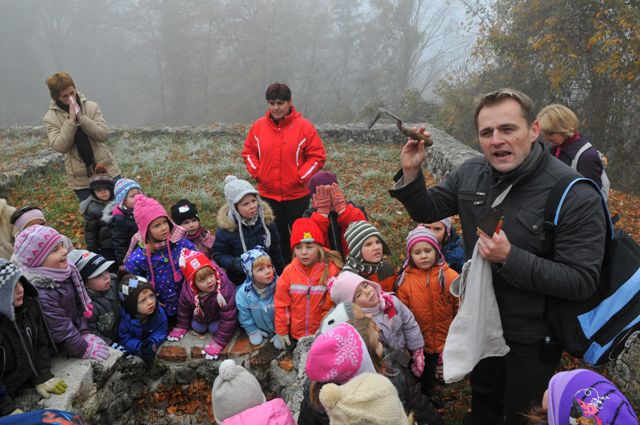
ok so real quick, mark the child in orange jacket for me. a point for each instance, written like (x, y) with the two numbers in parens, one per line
(424, 288)
(301, 298)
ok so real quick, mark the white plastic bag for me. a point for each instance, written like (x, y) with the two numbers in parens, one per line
(476, 331)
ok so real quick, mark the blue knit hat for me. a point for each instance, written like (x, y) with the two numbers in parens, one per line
(249, 257)
(122, 188)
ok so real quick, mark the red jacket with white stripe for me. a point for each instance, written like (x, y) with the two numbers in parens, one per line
(301, 302)
(282, 157)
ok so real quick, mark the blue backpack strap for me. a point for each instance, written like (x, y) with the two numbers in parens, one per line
(554, 205)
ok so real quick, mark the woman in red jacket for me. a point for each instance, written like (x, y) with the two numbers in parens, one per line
(282, 151)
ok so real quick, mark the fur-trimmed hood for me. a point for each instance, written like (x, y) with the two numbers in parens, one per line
(225, 223)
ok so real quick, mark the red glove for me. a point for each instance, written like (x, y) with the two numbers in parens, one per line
(418, 362)
(339, 201)
(321, 200)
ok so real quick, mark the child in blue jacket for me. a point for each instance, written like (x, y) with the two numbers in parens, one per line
(143, 324)
(254, 298)
(157, 254)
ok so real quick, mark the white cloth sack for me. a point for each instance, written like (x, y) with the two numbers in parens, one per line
(476, 331)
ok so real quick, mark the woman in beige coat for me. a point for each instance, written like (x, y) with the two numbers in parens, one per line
(76, 128)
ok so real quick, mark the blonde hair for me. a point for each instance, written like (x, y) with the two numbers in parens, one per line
(558, 119)
(57, 83)
(262, 260)
(327, 256)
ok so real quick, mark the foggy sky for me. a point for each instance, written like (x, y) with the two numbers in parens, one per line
(196, 62)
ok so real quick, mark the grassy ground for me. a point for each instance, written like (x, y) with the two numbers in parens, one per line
(173, 167)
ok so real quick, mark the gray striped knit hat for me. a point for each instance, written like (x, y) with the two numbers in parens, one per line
(358, 232)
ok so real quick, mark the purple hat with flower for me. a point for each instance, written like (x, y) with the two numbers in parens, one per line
(587, 395)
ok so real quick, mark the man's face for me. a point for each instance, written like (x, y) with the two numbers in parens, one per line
(504, 136)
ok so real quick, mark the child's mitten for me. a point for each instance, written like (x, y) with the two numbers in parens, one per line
(148, 350)
(52, 386)
(339, 201)
(96, 351)
(418, 362)
(176, 334)
(212, 351)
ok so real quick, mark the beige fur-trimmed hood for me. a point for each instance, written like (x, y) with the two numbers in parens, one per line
(224, 222)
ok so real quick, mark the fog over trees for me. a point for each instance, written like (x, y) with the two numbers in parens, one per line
(197, 62)
(194, 62)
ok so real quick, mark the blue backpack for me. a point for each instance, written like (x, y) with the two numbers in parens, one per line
(598, 328)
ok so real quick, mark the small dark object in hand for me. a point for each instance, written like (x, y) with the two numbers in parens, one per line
(404, 130)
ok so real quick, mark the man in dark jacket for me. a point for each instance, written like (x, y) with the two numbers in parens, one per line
(517, 174)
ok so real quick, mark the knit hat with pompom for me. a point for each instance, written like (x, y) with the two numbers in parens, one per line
(234, 391)
(368, 398)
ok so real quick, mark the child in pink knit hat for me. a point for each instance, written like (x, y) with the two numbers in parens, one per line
(336, 356)
(207, 302)
(399, 329)
(424, 287)
(42, 255)
(157, 252)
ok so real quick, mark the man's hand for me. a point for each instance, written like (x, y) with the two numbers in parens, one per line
(412, 156)
(494, 249)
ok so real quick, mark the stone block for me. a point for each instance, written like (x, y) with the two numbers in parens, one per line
(173, 353)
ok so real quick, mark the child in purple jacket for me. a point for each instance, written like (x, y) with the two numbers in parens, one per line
(42, 255)
(207, 302)
(156, 254)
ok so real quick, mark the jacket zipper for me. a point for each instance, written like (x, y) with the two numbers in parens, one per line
(433, 316)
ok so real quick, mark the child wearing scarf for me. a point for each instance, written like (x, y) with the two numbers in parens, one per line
(65, 302)
(185, 214)
(207, 303)
(367, 249)
(157, 252)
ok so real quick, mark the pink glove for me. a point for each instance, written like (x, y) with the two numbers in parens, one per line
(96, 351)
(212, 350)
(418, 362)
(339, 201)
(89, 338)
(321, 200)
(176, 334)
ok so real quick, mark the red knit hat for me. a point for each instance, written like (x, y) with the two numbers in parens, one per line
(306, 230)
(192, 261)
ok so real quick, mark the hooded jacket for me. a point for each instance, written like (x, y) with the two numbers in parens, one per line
(530, 274)
(97, 231)
(25, 343)
(255, 311)
(227, 246)
(300, 302)
(6, 229)
(123, 226)
(283, 156)
(274, 411)
(211, 310)
(426, 294)
(133, 331)
(106, 312)
(61, 133)
(63, 313)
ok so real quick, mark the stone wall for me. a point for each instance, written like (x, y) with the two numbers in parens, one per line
(446, 154)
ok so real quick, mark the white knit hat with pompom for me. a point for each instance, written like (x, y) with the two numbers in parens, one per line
(366, 399)
(234, 390)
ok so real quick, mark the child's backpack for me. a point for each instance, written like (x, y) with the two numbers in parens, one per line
(603, 177)
(598, 328)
